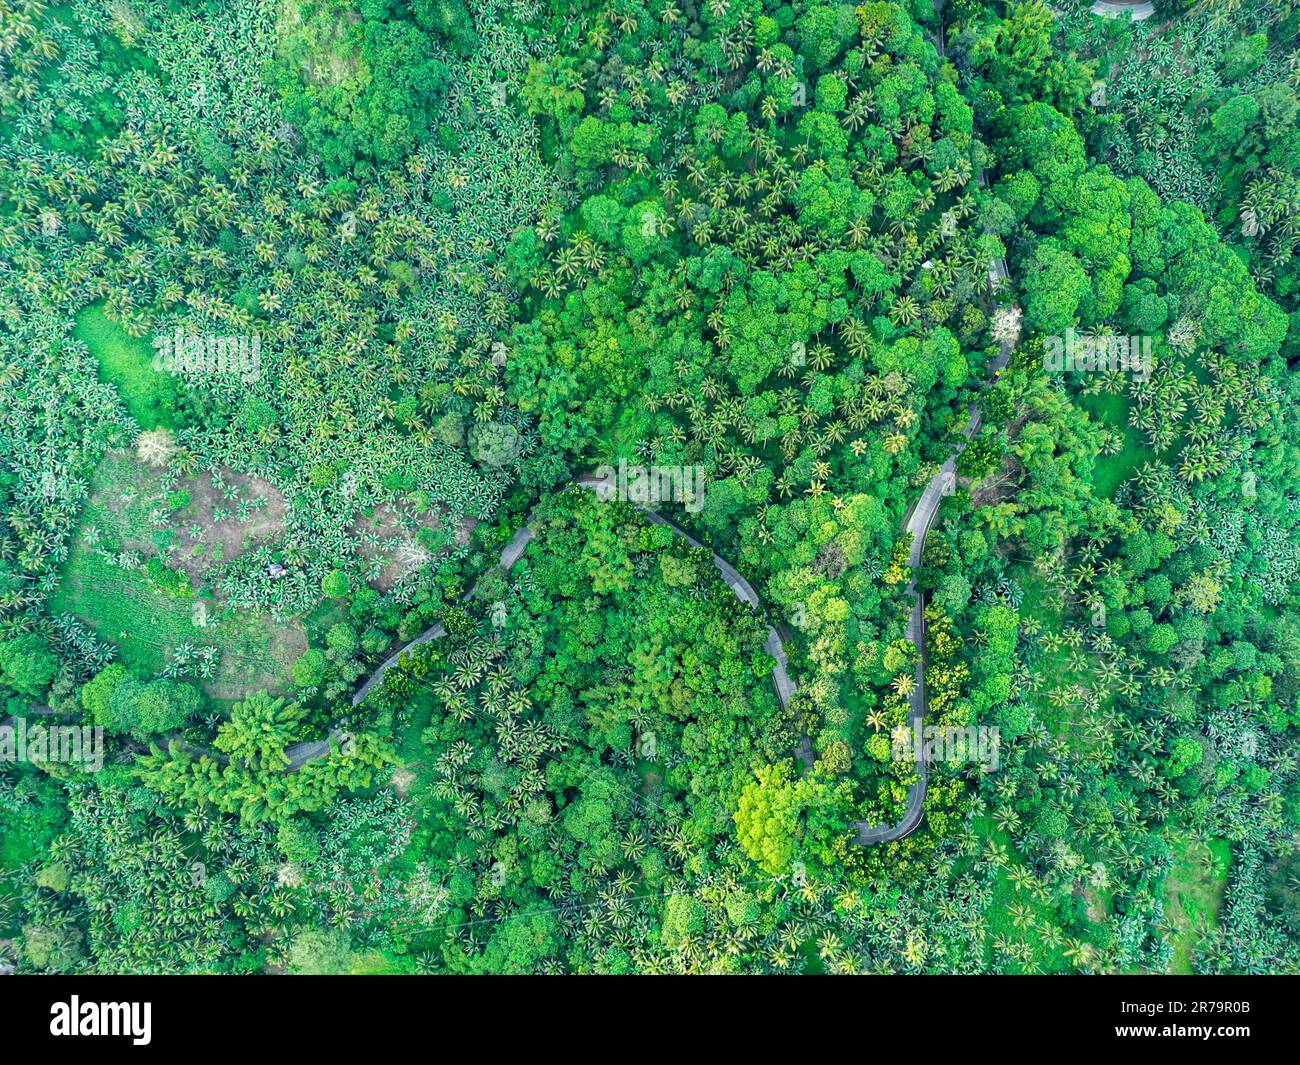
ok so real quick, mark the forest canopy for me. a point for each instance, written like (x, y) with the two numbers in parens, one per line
(698, 486)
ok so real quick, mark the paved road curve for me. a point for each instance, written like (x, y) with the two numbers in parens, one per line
(918, 522)
(743, 590)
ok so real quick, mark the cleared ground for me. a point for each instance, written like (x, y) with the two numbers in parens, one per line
(117, 582)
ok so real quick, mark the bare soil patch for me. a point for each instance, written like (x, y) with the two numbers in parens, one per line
(388, 542)
(231, 512)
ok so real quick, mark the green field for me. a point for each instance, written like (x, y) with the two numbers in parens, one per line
(1193, 894)
(1114, 470)
(126, 362)
(1019, 916)
(376, 963)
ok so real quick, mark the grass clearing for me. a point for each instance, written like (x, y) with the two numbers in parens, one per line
(1021, 922)
(1113, 470)
(376, 963)
(1193, 895)
(126, 362)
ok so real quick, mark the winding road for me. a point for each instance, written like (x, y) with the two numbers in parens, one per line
(918, 522)
(920, 517)
(743, 590)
